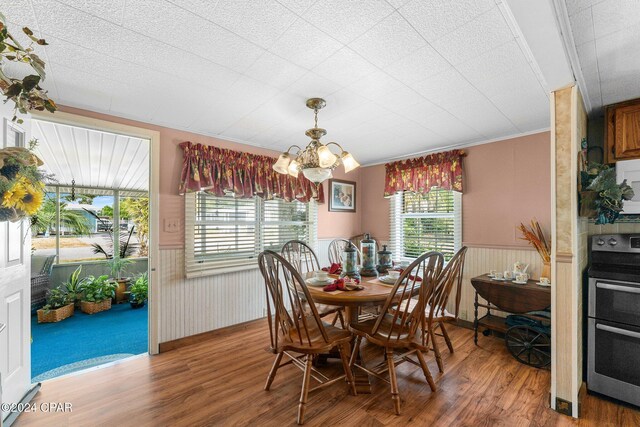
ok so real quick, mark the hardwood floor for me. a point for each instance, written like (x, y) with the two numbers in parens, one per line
(220, 383)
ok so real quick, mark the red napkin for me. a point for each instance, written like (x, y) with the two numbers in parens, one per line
(334, 269)
(412, 277)
(337, 285)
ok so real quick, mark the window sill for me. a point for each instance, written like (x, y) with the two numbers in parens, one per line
(221, 270)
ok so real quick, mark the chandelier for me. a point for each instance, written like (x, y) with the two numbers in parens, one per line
(316, 161)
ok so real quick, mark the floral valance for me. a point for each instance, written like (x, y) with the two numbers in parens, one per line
(442, 170)
(221, 171)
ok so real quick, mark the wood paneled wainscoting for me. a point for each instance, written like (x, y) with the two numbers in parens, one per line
(481, 260)
(193, 306)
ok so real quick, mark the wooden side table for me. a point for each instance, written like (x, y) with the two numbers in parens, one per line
(506, 297)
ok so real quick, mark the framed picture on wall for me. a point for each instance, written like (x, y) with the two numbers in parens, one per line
(342, 196)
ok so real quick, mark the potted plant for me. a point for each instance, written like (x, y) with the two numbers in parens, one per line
(96, 294)
(139, 291)
(74, 286)
(59, 306)
(117, 265)
(604, 197)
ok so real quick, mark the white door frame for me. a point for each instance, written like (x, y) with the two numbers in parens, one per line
(154, 201)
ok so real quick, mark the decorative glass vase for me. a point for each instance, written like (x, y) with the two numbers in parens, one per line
(368, 249)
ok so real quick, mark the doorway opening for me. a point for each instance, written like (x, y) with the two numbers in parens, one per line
(90, 248)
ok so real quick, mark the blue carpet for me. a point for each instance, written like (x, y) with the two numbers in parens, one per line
(121, 331)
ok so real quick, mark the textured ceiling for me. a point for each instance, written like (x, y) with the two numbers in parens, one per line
(92, 158)
(607, 36)
(399, 77)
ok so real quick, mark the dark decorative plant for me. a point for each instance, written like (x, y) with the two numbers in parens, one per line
(97, 289)
(25, 93)
(610, 196)
(139, 290)
(57, 298)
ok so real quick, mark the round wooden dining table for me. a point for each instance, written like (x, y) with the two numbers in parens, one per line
(375, 293)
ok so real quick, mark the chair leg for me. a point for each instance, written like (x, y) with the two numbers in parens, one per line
(306, 379)
(341, 317)
(393, 380)
(345, 351)
(425, 370)
(354, 352)
(446, 337)
(274, 369)
(335, 318)
(436, 350)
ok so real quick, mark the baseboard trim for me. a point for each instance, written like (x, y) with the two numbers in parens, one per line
(205, 336)
(464, 324)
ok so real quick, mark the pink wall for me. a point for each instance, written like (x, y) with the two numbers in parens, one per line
(330, 224)
(340, 224)
(506, 182)
(375, 219)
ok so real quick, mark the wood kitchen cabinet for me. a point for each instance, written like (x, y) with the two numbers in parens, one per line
(622, 131)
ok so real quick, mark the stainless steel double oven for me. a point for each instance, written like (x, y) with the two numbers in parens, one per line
(613, 342)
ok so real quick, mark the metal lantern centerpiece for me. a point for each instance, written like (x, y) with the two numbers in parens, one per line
(384, 260)
(316, 161)
(350, 262)
(368, 249)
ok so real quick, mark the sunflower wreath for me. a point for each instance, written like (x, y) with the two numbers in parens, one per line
(21, 184)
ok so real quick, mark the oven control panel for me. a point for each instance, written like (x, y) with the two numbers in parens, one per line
(629, 243)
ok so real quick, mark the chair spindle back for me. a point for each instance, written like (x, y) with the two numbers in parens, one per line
(290, 318)
(337, 246)
(417, 279)
(301, 256)
(451, 275)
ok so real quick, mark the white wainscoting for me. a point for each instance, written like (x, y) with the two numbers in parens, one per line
(192, 306)
(482, 260)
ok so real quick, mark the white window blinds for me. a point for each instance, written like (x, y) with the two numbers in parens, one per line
(426, 222)
(225, 234)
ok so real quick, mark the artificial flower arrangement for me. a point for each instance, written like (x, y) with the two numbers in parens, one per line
(21, 183)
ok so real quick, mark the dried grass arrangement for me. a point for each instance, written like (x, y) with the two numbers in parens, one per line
(535, 236)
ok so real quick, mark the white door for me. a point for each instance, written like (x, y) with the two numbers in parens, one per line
(15, 288)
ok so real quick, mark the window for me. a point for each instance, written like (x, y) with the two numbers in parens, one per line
(226, 234)
(426, 222)
(84, 230)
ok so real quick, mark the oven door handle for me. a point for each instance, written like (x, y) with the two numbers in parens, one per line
(609, 286)
(618, 331)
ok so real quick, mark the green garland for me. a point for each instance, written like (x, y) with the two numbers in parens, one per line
(25, 93)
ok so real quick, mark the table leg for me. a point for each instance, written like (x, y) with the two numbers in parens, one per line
(361, 378)
(475, 319)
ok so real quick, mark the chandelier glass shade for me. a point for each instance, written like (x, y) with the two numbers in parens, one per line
(316, 160)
